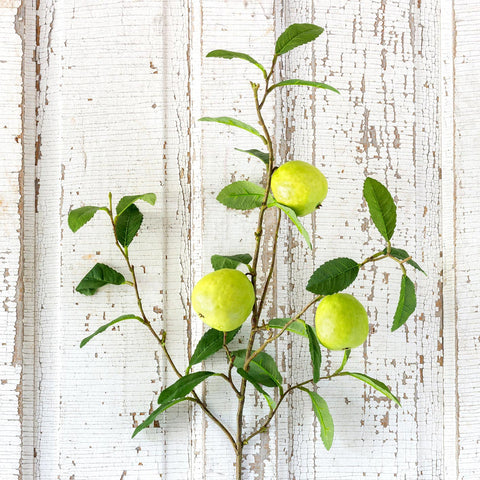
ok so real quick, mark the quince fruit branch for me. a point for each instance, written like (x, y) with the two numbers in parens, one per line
(226, 297)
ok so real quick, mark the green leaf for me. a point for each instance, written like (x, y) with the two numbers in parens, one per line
(333, 276)
(97, 277)
(252, 379)
(322, 412)
(126, 201)
(298, 326)
(381, 206)
(264, 157)
(262, 367)
(376, 384)
(229, 55)
(151, 418)
(346, 355)
(128, 224)
(230, 261)
(80, 216)
(295, 35)
(307, 83)
(293, 217)
(183, 386)
(400, 254)
(233, 122)
(104, 327)
(242, 195)
(210, 343)
(406, 303)
(315, 352)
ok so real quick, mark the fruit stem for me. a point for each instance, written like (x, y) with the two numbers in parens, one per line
(265, 425)
(272, 337)
(373, 258)
(400, 262)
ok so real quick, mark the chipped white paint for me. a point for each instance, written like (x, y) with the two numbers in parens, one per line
(119, 86)
(11, 293)
(450, 397)
(461, 225)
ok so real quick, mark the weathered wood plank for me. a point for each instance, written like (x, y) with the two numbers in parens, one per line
(27, 26)
(225, 90)
(466, 199)
(450, 398)
(371, 53)
(113, 116)
(11, 228)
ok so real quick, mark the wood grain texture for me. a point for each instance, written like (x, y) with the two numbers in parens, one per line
(466, 249)
(11, 288)
(27, 18)
(372, 129)
(450, 397)
(112, 93)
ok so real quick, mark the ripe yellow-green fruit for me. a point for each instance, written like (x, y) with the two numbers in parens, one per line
(341, 322)
(300, 186)
(223, 299)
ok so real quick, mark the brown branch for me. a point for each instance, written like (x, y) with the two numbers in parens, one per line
(272, 265)
(264, 426)
(161, 339)
(274, 411)
(253, 269)
(272, 338)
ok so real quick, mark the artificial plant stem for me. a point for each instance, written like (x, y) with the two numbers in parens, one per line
(259, 231)
(230, 358)
(374, 258)
(287, 391)
(267, 80)
(346, 355)
(274, 411)
(400, 262)
(272, 338)
(215, 419)
(272, 265)
(253, 270)
(161, 339)
(238, 462)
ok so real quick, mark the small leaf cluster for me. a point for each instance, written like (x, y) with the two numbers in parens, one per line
(126, 222)
(338, 274)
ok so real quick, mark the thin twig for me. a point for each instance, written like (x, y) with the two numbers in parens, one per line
(400, 262)
(272, 265)
(272, 338)
(161, 339)
(377, 256)
(253, 269)
(274, 411)
(282, 397)
(267, 80)
(230, 358)
(215, 419)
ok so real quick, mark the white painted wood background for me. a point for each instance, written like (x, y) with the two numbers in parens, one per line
(100, 96)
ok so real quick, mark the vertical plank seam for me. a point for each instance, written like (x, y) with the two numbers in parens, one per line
(194, 60)
(19, 338)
